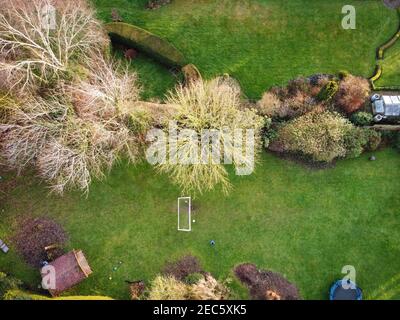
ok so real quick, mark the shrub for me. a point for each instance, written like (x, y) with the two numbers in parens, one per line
(270, 106)
(35, 54)
(155, 4)
(374, 139)
(318, 135)
(290, 107)
(76, 132)
(78, 124)
(34, 235)
(182, 268)
(355, 140)
(214, 105)
(361, 118)
(8, 283)
(247, 273)
(328, 91)
(266, 285)
(343, 74)
(298, 85)
(317, 79)
(298, 98)
(352, 94)
(168, 288)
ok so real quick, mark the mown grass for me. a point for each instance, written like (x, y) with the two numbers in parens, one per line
(303, 223)
(264, 42)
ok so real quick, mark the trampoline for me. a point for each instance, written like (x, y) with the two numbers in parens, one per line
(337, 292)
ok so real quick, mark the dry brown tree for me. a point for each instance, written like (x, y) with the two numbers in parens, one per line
(75, 133)
(40, 39)
(79, 123)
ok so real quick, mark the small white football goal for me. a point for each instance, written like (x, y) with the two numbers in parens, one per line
(184, 214)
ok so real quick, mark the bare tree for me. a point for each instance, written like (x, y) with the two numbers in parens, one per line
(36, 50)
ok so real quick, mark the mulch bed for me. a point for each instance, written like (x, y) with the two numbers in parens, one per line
(183, 267)
(393, 4)
(266, 285)
(156, 4)
(34, 235)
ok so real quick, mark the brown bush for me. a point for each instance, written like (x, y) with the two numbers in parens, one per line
(352, 94)
(34, 235)
(183, 267)
(208, 288)
(266, 285)
(247, 273)
(269, 105)
(296, 99)
(302, 85)
(38, 55)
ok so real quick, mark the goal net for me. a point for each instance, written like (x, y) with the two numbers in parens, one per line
(184, 214)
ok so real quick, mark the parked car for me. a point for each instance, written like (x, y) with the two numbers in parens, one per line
(385, 107)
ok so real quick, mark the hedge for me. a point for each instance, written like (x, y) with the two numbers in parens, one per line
(143, 40)
(17, 294)
(380, 56)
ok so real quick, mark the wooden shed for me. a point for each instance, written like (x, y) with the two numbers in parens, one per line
(70, 269)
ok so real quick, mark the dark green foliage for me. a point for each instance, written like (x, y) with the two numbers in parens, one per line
(328, 91)
(396, 140)
(8, 283)
(343, 74)
(355, 141)
(361, 118)
(374, 139)
(269, 134)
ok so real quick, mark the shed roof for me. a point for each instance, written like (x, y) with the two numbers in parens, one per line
(387, 105)
(70, 269)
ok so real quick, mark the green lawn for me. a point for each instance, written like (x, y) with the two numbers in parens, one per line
(264, 42)
(391, 67)
(305, 224)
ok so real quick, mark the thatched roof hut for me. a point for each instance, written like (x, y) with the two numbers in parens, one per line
(70, 269)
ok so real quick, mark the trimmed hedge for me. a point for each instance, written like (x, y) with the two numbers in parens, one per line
(17, 294)
(380, 56)
(143, 40)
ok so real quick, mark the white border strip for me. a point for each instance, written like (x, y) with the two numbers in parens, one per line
(190, 213)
